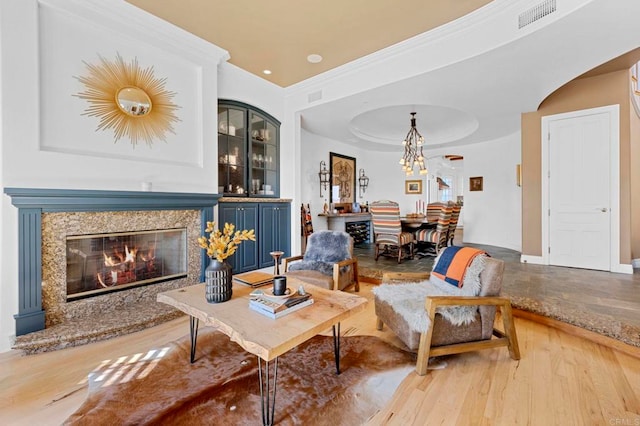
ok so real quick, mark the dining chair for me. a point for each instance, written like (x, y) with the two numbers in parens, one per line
(433, 211)
(387, 231)
(435, 238)
(453, 222)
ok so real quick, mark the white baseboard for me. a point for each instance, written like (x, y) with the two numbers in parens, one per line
(622, 268)
(536, 260)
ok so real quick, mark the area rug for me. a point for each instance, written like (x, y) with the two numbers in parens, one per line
(221, 387)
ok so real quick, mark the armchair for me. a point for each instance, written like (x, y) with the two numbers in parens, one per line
(441, 336)
(328, 262)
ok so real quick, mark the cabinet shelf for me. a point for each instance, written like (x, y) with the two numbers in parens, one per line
(256, 139)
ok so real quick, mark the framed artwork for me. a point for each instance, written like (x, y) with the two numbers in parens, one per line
(475, 183)
(343, 178)
(413, 187)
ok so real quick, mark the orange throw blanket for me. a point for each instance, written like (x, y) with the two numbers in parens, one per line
(453, 263)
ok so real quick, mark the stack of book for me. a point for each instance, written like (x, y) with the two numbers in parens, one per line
(253, 278)
(277, 307)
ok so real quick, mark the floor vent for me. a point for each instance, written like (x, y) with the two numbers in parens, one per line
(315, 96)
(537, 12)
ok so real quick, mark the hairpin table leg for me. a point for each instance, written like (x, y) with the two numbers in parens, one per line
(336, 347)
(267, 393)
(193, 331)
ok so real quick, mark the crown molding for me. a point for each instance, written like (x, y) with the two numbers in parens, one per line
(120, 15)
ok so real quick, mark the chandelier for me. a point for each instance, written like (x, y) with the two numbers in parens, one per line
(413, 156)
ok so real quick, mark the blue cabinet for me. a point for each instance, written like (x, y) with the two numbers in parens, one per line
(243, 216)
(275, 231)
(271, 223)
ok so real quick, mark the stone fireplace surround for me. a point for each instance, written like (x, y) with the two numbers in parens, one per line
(45, 320)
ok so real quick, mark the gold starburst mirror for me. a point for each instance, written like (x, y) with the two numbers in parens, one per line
(128, 99)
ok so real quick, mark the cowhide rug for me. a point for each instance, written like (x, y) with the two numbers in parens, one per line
(221, 387)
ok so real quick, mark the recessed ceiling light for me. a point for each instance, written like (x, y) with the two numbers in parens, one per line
(314, 58)
(267, 72)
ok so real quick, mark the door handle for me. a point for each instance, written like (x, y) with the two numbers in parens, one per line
(603, 210)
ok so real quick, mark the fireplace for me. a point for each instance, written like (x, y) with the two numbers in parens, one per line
(49, 218)
(104, 263)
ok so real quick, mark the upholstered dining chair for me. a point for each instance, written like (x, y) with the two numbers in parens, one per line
(328, 261)
(433, 211)
(441, 337)
(387, 231)
(435, 238)
(453, 222)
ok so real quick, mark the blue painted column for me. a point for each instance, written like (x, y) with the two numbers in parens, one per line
(30, 316)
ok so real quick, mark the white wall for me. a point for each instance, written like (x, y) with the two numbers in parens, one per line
(314, 149)
(48, 143)
(491, 216)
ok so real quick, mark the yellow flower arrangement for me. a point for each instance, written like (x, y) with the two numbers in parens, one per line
(222, 244)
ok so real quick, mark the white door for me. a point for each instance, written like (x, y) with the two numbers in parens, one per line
(579, 192)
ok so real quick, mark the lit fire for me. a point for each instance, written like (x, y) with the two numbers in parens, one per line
(123, 265)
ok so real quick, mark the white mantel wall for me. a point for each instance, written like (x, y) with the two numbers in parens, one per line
(47, 143)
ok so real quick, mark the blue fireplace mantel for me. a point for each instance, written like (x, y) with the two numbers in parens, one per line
(32, 202)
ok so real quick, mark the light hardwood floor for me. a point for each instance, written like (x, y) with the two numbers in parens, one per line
(561, 379)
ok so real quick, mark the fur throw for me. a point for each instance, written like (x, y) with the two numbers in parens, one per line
(324, 249)
(408, 299)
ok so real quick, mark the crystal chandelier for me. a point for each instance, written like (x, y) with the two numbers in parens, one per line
(413, 156)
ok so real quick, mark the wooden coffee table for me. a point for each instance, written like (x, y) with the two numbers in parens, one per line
(262, 336)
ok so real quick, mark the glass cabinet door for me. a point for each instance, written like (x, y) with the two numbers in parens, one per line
(263, 156)
(232, 152)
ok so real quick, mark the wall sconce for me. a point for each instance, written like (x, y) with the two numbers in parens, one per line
(324, 177)
(363, 182)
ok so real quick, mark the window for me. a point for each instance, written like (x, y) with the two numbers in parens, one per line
(447, 190)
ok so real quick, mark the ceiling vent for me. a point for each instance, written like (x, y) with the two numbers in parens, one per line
(315, 96)
(536, 12)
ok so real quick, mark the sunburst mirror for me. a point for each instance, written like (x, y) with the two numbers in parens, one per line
(128, 99)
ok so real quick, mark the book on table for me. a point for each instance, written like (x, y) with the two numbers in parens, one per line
(253, 278)
(276, 308)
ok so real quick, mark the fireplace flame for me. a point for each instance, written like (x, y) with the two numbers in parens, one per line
(108, 260)
(131, 254)
(151, 254)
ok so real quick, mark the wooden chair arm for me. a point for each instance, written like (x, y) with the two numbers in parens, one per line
(507, 338)
(339, 265)
(287, 260)
(345, 262)
(405, 276)
(435, 301)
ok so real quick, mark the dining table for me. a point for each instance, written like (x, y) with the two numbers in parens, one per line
(412, 224)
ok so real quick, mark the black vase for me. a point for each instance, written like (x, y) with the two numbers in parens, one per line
(218, 287)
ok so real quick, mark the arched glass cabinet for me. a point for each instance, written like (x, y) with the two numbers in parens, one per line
(248, 151)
